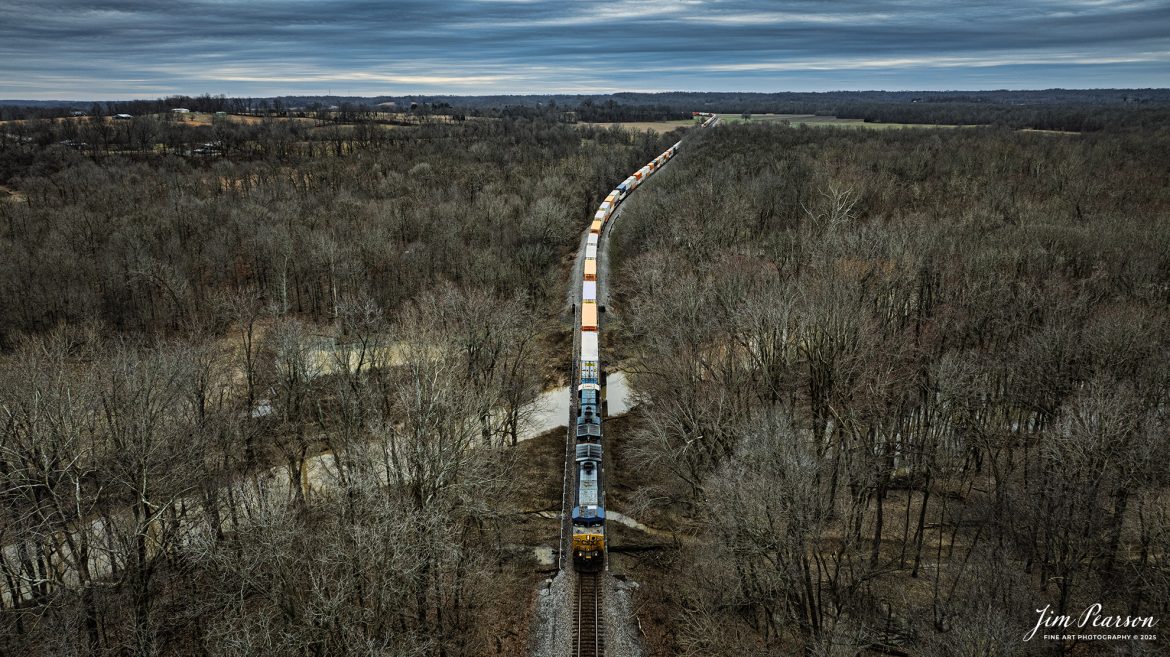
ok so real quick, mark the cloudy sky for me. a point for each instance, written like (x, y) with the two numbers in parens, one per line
(84, 49)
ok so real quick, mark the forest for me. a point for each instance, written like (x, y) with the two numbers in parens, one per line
(262, 378)
(897, 390)
(267, 402)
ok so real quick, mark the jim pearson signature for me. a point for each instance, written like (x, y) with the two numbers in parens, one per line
(1090, 617)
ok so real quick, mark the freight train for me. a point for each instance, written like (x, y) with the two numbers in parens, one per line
(588, 514)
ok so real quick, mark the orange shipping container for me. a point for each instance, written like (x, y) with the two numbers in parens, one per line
(588, 316)
(590, 270)
(596, 227)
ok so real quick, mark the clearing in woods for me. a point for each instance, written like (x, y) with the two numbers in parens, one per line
(7, 194)
(656, 126)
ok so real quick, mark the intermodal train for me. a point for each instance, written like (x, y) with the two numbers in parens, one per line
(588, 540)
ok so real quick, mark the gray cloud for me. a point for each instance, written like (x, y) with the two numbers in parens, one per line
(136, 48)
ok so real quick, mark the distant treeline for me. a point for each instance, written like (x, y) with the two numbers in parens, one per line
(1049, 109)
(48, 144)
(1056, 109)
(22, 109)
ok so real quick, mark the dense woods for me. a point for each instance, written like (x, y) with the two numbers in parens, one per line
(265, 403)
(899, 389)
(304, 219)
(262, 377)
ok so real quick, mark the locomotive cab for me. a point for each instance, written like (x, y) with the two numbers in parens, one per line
(589, 510)
(589, 538)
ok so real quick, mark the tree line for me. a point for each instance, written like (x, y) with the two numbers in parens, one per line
(1076, 110)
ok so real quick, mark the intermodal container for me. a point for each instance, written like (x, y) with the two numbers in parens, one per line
(589, 348)
(589, 316)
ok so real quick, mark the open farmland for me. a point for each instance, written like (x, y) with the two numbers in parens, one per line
(812, 120)
(655, 126)
(816, 120)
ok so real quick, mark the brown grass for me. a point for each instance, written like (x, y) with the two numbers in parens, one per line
(640, 126)
(1049, 132)
(8, 194)
(816, 120)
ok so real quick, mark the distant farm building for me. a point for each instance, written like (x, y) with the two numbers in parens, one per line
(181, 110)
(123, 117)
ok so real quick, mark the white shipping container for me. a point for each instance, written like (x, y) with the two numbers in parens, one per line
(589, 346)
(592, 240)
(589, 291)
(591, 251)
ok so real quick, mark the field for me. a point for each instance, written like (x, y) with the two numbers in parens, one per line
(656, 126)
(816, 120)
(791, 119)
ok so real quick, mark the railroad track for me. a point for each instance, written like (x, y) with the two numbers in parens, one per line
(588, 628)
